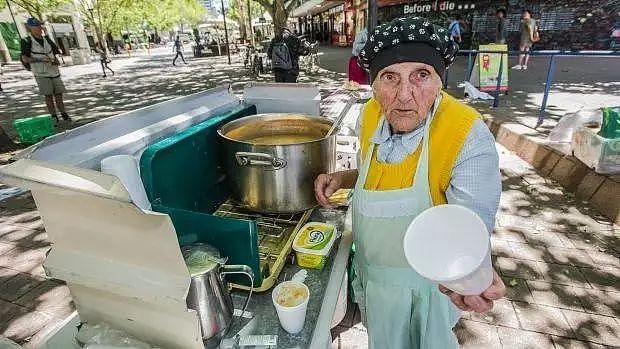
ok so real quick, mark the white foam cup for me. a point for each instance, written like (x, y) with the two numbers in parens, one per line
(450, 245)
(291, 318)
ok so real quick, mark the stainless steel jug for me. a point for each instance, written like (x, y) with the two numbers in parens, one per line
(209, 296)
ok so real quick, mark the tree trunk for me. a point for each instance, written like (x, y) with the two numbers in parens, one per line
(279, 16)
(4, 51)
(242, 31)
(242, 17)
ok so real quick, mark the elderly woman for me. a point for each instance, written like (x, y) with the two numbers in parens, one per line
(419, 147)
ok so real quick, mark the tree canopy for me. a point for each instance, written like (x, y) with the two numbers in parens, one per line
(279, 11)
(37, 8)
(114, 16)
(238, 11)
(119, 15)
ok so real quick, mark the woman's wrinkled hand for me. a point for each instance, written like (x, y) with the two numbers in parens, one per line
(481, 303)
(324, 186)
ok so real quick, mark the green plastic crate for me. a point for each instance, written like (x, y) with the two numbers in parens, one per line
(35, 129)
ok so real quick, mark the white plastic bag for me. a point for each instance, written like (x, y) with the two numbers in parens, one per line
(563, 131)
(99, 336)
(200, 257)
(6, 343)
(472, 92)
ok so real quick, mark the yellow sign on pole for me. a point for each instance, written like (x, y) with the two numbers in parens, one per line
(486, 70)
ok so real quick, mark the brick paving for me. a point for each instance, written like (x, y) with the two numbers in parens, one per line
(561, 257)
(573, 77)
(29, 301)
(560, 260)
(139, 81)
(514, 122)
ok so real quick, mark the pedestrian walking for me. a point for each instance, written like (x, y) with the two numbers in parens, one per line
(38, 54)
(356, 73)
(104, 60)
(284, 50)
(500, 30)
(178, 48)
(614, 42)
(455, 28)
(529, 35)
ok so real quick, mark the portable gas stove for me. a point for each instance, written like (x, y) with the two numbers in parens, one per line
(276, 233)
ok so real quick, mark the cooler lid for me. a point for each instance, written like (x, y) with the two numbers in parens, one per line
(123, 265)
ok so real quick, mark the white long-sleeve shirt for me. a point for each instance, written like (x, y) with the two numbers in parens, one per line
(360, 40)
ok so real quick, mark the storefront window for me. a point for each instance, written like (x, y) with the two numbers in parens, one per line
(576, 24)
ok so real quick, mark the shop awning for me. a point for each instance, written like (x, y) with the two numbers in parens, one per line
(313, 7)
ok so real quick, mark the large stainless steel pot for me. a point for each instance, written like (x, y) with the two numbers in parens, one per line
(272, 160)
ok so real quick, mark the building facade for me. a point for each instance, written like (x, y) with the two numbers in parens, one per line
(327, 21)
(65, 26)
(566, 25)
(210, 5)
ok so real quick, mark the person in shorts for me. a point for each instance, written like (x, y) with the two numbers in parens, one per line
(529, 33)
(38, 54)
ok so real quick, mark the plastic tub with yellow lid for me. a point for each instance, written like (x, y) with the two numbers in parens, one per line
(313, 244)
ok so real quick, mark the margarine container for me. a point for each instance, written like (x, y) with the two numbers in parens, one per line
(313, 243)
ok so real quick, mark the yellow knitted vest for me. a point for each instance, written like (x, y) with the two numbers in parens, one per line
(449, 130)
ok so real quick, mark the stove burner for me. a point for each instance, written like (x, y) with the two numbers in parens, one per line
(275, 237)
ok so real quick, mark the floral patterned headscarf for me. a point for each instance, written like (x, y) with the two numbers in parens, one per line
(408, 39)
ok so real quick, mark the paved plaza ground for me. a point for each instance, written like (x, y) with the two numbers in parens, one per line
(578, 83)
(560, 258)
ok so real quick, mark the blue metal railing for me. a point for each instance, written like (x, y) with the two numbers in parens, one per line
(552, 54)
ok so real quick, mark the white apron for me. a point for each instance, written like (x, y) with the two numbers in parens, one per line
(401, 309)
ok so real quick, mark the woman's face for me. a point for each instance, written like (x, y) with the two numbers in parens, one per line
(406, 92)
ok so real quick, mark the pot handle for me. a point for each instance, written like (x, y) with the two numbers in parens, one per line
(268, 161)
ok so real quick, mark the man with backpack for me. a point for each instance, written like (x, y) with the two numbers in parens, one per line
(284, 50)
(38, 54)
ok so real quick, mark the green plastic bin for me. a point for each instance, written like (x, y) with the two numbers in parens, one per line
(611, 123)
(34, 129)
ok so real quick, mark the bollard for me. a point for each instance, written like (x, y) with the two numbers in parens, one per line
(468, 68)
(548, 83)
(499, 81)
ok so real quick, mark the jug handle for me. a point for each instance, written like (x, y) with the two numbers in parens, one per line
(240, 269)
